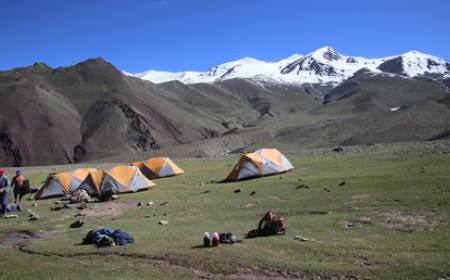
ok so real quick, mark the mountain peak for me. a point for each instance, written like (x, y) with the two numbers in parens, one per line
(327, 52)
(322, 66)
(326, 48)
(248, 59)
(416, 54)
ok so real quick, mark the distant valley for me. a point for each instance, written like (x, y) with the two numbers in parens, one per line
(92, 110)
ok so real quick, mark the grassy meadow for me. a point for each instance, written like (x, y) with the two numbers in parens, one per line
(390, 220)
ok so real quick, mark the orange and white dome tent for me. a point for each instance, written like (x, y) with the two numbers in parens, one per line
(93, 182)
(260, 163)
(158, 167)
(63, 183)
(123, 179)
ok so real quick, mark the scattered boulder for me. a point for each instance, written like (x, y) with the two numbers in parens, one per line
(77, 224)
(301, 238)
(342, 183)
(139, 203)
(34, 204)
(253, 193)
(163, 222)
(338, 149)
(349, 225)
(150, 203)
(366, 220)
(114, 197)
(207, 191)
(164, 203)
(35, 217)
(238, 190)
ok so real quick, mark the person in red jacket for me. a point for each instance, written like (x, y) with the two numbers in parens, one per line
(18, 183)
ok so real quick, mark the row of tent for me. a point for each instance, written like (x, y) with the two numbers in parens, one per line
(119, 179)
(137, 176)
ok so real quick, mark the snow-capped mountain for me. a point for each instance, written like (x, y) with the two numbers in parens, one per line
(324, 65)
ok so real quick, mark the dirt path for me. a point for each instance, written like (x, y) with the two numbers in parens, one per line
(20, 240)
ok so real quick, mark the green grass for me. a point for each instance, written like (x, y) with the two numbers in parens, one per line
(375, 184)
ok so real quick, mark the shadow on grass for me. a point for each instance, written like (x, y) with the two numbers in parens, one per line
(200, 247)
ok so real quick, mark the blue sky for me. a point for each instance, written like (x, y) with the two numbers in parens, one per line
(179, 35)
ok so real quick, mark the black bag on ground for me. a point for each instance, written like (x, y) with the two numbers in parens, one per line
(91, 237)
(228, 238)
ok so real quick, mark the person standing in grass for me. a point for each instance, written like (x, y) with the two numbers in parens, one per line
(3, 193)
(18, 185)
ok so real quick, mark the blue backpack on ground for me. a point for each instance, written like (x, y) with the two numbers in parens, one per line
(97, 235)
(121, 237)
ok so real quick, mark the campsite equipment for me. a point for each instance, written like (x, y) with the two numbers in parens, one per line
(269, 225)
(206, 239)
(80, 195)
(215, 240)
(92, 183)
(123, 179)
(26, 188)
(121, 237)
(260, 163)
(106, 237)
(228, 238)
(13, 208)
(62, 183)
(158, 167)
(105, 241)
(11, 216)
